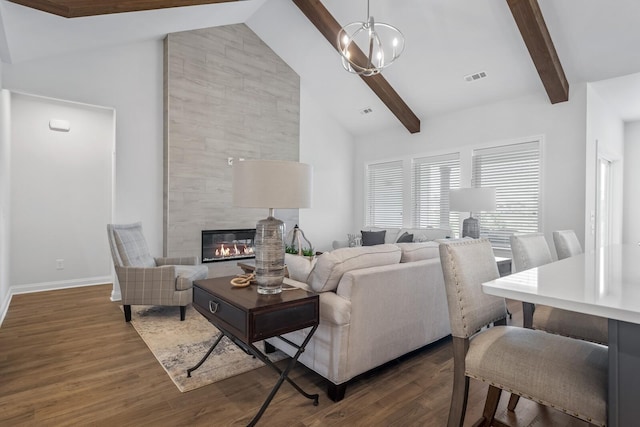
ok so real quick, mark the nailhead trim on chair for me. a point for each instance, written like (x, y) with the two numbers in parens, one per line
(540, 401)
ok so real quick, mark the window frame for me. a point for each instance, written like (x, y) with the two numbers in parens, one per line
(499, 240)
(453, 218)
(367, 194)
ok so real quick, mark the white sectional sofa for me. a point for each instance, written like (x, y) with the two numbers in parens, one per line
(420, 235)
(376, 303)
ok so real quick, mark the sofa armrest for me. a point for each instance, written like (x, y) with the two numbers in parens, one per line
(185, 260)
(333, 308)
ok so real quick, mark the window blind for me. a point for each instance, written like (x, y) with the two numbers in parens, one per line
(384, 194)
(432, 178)
(515, 172)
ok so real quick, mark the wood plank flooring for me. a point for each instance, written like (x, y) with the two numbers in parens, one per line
(68, 358)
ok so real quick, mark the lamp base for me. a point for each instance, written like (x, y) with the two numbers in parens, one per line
(471, 228)
(269, 251)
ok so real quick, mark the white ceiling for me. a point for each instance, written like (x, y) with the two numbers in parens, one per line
(446, 40)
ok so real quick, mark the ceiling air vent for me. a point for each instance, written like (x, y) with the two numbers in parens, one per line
(476, 76)
(366, 111)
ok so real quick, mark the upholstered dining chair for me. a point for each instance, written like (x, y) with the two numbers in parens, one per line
(145, 280)
(531, 250)
(566, 243)
(556, 371)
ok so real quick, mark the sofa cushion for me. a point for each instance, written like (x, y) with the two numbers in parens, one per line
(418, 251)
(405, 238)
(299, 267)
(330, 266)
(371, 238)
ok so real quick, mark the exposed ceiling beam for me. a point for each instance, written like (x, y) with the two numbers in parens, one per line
(533, 29)
(329, 27)
(78, 8)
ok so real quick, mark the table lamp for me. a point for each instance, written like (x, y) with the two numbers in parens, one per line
(474, 199)
(272, 184)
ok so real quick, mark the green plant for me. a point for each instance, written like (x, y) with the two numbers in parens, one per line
(293, 250)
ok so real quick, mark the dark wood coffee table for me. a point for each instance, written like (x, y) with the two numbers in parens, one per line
(244, 316)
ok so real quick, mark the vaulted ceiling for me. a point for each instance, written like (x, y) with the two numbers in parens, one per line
(523, 46)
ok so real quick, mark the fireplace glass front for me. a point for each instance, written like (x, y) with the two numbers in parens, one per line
(224, 245)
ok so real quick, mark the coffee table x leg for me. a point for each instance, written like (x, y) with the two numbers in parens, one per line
(284, 374)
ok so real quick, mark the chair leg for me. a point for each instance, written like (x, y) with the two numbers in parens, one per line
(183, 312)
(513, 402)
(527, 315)
(127, 313)
(460, 384)
(491, 405)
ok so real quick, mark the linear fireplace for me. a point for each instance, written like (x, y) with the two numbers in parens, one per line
(224, 245)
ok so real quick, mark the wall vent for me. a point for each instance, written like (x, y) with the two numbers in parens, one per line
(476, 76)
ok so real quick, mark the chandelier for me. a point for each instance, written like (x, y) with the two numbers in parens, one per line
(368, 47)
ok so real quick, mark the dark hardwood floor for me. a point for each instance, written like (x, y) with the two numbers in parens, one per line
(68, 358)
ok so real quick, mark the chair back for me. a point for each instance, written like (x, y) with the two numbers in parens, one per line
(466, 264)
(529, 250)
(128, 246)
(566, 243)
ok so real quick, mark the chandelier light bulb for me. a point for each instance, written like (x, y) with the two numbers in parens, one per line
(368, 47)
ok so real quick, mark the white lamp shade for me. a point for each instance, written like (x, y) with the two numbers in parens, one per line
(476, 199)
(276, 184)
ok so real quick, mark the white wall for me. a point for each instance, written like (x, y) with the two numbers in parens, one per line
(61, 194)
(129, 79)
(605, 137)
(631, 209)
(561, 125)
(5, 169)
(330, 149)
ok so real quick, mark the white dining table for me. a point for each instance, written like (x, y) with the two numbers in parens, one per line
(603, 282)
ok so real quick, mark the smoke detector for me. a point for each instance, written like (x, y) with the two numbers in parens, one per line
(476, 76)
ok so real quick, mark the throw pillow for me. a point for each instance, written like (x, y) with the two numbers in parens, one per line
(330, 266)
(370, 238)
(419, 251)
(405, 238)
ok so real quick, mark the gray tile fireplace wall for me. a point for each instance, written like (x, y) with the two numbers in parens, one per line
(227, 96)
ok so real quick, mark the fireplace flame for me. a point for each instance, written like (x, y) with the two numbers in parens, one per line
(225, 251)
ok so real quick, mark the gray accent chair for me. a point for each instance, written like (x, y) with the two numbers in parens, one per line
(566, 243)
(145, 280)
(564, 373)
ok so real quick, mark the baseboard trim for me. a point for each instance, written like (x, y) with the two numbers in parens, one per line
(62, 284)
(4, 307)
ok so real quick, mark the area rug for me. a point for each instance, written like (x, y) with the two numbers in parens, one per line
(180, 345)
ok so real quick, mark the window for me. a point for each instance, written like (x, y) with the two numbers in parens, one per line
(384, 195)
(432, 178)
(515, 172)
